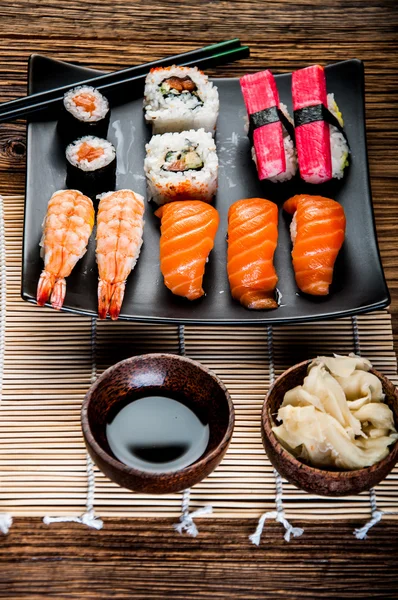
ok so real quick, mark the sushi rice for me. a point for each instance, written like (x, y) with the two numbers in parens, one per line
(181, 166)
(171, 110)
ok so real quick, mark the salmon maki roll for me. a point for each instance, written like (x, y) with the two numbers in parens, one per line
(188, 230)
(252, 240)
(317, 232)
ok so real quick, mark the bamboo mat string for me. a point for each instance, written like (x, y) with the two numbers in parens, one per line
(5, 518)
(187, 518)
(376, 515)
(279, 514)
(88, 517)
(355, 334)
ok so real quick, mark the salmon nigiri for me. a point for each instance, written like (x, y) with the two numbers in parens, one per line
(188, 230)
(317, 231)
(252, 239)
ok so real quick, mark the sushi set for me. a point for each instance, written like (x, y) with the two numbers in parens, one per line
(250, 216)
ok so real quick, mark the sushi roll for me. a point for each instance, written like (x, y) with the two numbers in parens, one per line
(271, 128)
(85, 111)
(91, 165)
(322, 145)
(180, 98)
(181, 166)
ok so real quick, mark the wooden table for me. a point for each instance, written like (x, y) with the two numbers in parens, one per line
(142, 559)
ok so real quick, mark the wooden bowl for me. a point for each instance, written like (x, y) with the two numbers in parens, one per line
(315, 480)
(166, 374)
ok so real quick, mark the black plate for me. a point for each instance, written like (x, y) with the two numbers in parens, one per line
(359, 283)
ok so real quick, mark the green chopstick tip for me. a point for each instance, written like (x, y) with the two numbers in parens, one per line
(220, 45)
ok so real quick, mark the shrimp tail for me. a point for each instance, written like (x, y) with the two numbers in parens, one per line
(110, 298)
(104, 298)
(58, 293)
(44, 287)
(117, 300)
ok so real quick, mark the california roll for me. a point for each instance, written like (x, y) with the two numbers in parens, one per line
(181, 166)
(180, 98)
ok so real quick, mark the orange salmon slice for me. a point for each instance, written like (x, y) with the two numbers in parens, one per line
(85, 100)
(252, 240)
(89, 153)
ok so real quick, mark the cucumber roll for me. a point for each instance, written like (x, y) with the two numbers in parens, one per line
(85, 111)
(181, 166)
(180, 98)
(91, 165)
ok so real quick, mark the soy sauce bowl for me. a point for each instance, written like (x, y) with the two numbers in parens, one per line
(322, 482)
(167, 375)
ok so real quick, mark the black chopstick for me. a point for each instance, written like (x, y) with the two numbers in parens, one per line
(209, 56)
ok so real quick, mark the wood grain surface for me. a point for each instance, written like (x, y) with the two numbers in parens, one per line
(146, 559)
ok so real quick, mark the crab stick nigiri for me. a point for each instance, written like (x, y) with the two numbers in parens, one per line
(252, 240)
(188, 229)
(273, 149)
(317, 231)
(322, 147)
(120, 224)
(66, 230)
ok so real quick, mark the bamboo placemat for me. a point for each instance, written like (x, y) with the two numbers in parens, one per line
(51, 358)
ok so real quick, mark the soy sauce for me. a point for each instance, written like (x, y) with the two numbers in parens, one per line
(158, 434)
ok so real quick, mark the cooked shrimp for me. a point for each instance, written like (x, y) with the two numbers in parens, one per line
(120, 224)
(66, 230)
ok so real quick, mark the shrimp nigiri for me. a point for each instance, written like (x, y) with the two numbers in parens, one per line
(188, 230)
(252, 240)
(120, 225)
(317, 231)
(66, 230)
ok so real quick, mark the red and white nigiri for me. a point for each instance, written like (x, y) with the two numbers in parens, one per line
(317, 231)
(273, 149)
(322, 148)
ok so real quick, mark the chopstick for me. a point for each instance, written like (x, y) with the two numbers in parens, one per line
(206, 57)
